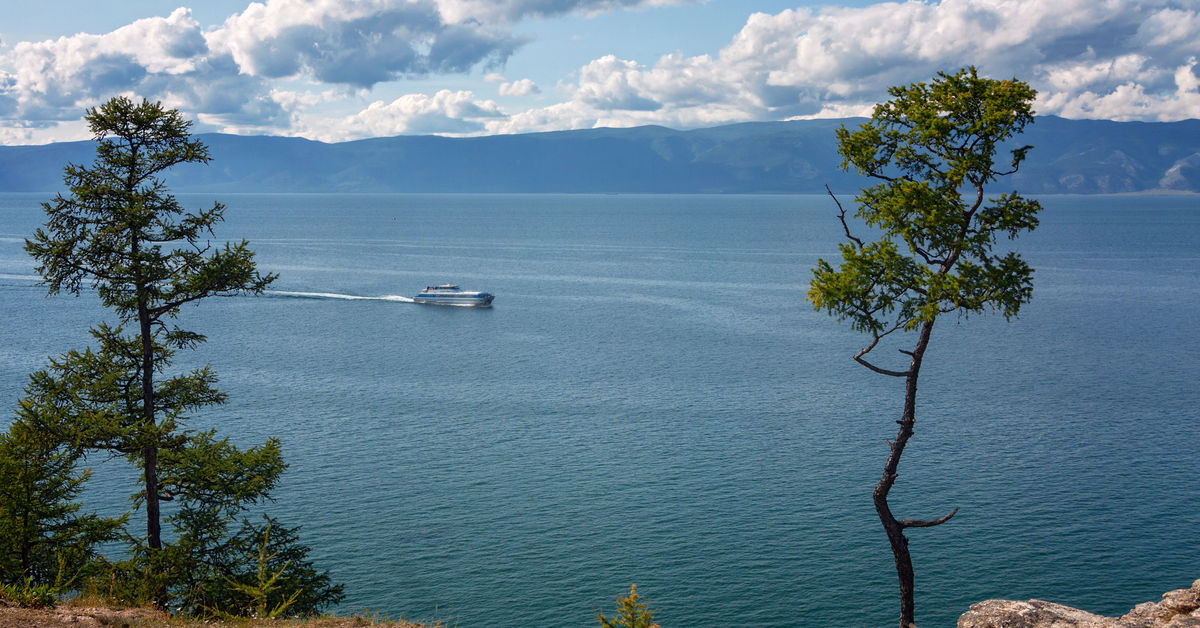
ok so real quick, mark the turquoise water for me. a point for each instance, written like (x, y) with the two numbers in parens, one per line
(652, 401)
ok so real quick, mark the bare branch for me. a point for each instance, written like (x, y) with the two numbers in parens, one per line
(842, 217)
(928, 257)
(858, 357)
(911, 523)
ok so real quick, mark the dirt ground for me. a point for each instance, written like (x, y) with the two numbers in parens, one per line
(73, 617)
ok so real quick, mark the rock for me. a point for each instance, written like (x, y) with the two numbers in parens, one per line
(1178, 609)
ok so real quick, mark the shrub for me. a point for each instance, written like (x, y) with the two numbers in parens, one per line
(630, 613)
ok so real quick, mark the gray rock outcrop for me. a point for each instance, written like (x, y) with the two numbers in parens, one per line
(1178, 609)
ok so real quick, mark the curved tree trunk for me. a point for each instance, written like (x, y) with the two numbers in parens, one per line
(894, 528)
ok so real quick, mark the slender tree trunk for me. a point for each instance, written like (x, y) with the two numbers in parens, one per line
(150, 453)
(894, 528)
(150, 445)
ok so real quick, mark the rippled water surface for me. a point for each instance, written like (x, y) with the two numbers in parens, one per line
(652, 401)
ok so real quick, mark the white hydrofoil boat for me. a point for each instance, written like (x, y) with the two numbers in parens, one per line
(451, 294)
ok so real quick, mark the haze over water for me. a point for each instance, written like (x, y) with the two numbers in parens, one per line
(651, 400)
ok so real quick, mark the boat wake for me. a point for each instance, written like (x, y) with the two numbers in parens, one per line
(8, 277)
(287, 294)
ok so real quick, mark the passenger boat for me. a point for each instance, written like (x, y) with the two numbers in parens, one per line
(451, 294)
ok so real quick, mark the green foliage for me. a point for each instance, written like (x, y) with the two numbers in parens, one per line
(209, 482)
(266, 583)
(119, 231)
(631, 613)
(933, 149)
(281, 583)
(28, 594)
(218, 569)
(44, 538)
(122, 233)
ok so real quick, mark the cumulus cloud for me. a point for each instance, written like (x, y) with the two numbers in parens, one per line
(364, 42)
(165, 59)
(446, 113)
(271, 67)
(522, 87)
(226, 76)
(515, 10)
(357, 42)
(1117, 58)
(1132, 100)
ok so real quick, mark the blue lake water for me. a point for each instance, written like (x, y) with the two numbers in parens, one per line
(651, 400)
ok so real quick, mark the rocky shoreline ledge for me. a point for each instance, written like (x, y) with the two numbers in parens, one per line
(1178, 609)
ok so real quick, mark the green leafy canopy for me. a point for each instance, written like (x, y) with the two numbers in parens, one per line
(932, 150)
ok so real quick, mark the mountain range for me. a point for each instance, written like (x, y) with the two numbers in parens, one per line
(1069, 157)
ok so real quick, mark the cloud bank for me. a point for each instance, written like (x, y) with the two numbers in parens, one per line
(286, 66)
(1113, 59)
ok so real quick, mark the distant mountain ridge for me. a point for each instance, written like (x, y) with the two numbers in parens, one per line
(1070, 157)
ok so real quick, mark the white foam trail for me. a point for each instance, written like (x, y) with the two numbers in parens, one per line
(334, 295)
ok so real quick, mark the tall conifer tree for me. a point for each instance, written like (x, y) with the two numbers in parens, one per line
(120, 231)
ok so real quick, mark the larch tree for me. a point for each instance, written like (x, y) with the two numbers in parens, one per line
(933, 150)
(119, 231)
(45, 539)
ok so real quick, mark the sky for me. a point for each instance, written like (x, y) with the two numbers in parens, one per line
(339, 70)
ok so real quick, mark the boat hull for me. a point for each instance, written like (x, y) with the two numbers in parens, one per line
(461, 299)
(451, 294)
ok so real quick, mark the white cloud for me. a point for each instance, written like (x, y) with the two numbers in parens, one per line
(1132, 101)
(522, 87)
(365, 42)
(357, 42)
(167, 59)
(53, 76)
(1088, 58)
(486, 11)
(226, 76)
(279, 65)
(445, 113)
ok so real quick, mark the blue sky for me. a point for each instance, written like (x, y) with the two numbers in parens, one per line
(337, 70)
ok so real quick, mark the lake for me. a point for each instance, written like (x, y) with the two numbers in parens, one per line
(651, 400)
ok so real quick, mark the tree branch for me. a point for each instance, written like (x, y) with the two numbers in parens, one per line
(928, 257)
(858, 357)
(842, 217)
(912, 523)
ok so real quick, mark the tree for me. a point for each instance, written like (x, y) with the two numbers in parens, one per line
(631, 613)
(933, 150)
(44, 539)
(122, 233)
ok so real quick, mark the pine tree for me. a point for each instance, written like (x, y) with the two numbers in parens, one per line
(120, 232)
(44, 538)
